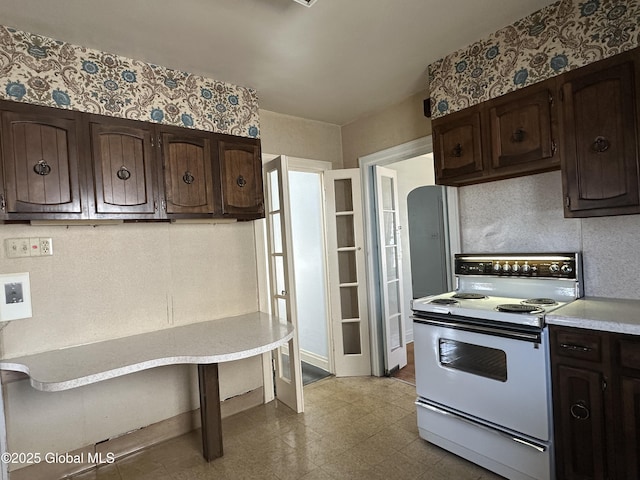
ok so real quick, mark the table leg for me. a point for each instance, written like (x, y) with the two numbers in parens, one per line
(210, 411)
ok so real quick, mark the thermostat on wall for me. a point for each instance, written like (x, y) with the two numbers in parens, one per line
(15, 296)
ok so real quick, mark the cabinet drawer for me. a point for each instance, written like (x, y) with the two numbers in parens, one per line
(629, 351)
(577, 344)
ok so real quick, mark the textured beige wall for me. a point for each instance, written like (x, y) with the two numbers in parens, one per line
(111, 281)
(298, 137)
(391, 127)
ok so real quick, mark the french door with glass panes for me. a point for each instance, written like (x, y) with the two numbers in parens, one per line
(288, 371)
(390, 261)
(347, 282)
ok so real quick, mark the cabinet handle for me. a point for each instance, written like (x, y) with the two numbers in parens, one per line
(123, 173)
(42, 168)
(457, 151)
(188, 178)
(241, 181)
(3, 205)
(518, 135)
(579, 411)
(575, 348)
(600, 144)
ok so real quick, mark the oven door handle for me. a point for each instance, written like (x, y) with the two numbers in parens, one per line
(536, 446)
(534, 337)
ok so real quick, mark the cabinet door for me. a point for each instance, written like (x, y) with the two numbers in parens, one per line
(600, 171)
(579, 423)
(187, 164)
(458, 148)
(41, 162)
(521, 132)
(629, 467)
(123, 167)
(241, 178)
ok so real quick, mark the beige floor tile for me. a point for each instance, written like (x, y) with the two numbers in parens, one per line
(352, 428)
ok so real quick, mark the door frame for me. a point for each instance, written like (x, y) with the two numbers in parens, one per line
(414, 148)
(264, 292)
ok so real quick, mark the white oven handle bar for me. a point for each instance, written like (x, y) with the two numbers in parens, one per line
(536, 446)
(437, 321)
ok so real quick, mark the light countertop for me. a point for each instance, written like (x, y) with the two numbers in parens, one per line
(215, 341)
(596, 313)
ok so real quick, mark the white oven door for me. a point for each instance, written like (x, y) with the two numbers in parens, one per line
(496, 376)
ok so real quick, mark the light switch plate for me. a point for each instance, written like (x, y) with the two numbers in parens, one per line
(15, 296)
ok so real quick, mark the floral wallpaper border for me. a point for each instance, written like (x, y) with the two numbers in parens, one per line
(43, 71)
(565, 35)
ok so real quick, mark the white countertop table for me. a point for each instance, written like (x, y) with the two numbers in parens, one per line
(205, 343)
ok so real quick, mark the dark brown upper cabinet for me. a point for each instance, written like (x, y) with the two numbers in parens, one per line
(41, 168)
(123, 169)
(64, 165)
(187, 164)
(458, 148)
(240, 166)
(599, 120)
(521, 126)
(506, 137)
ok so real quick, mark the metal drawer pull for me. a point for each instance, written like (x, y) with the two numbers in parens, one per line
(123, 173)
(579, 411)
(518, 136)
(188, 178)
(241, 182)
(600, 144)
(42, 168)
(457, 151)
(575, 348)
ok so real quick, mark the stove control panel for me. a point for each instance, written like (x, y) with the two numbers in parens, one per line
(519, 265)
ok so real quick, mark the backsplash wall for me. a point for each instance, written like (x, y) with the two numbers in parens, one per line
(563, 36)
(43, 71)
(525, 214)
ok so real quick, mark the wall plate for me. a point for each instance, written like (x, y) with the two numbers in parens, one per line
(15, 296)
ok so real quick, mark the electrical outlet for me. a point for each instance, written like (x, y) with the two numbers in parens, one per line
(46, 246)
(17, 247)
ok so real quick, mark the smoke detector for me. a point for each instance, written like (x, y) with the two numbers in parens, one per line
(306, 3)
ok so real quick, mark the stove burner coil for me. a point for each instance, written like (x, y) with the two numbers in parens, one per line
(444, 301)
(518, 308)
(539, 301)
(469, 296)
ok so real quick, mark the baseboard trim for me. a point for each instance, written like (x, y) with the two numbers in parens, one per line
(134, 441)
(314, 359)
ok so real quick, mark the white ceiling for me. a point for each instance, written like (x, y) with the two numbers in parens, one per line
(334, 62)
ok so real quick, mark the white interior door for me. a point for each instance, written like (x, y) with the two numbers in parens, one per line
(288, 369)
(347, 281)
(390, 261)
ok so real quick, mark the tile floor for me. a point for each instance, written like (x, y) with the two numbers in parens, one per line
(352, 428)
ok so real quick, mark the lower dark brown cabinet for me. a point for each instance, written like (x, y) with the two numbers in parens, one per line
(596, 404)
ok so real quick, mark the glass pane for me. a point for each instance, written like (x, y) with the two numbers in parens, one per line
(274, 191)
(389, 228)
(392, 263)
(349, 302)
(387, 194)
(281, 306)
(351, 338)
(347, 267)
(393, 297)
(476, 359)
(395, 328)
(284, 363)
(280, 285)
(344, 197)
(345, 233)
(276, 233)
